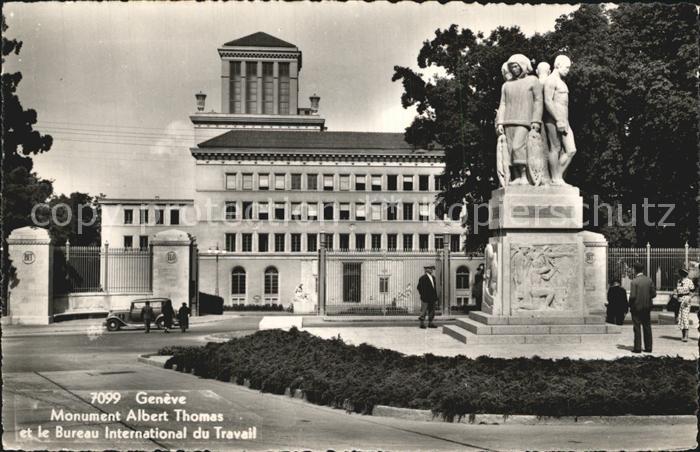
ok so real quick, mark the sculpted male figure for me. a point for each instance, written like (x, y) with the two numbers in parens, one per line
(519, 111)
(556, 120)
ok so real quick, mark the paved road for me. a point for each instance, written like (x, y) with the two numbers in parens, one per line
(45, 372)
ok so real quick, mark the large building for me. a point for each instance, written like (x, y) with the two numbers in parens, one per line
(272, 184)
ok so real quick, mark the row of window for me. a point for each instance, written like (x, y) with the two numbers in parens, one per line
(310, 211)
(129, 241)
(249, 84)
(330, 182)
(159, 216)
(278, 242)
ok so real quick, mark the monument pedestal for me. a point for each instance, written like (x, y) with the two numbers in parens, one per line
(544, 278)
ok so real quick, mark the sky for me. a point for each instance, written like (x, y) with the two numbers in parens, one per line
(114, 83)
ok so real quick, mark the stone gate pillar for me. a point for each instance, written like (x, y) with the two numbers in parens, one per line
(30, 302)
(171, 265)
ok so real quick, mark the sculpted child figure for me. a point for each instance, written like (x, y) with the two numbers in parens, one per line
(556, 120)
(520, 110)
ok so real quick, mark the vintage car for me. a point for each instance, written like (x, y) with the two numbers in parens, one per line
(131, 318)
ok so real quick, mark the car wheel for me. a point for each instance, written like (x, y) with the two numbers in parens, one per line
(113, 325)
(160, 323)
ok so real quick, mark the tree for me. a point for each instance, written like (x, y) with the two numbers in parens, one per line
(626, 115)
(21, 188)
(75, 218)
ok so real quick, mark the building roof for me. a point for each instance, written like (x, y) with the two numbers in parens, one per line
(259, 39)
(302, 140)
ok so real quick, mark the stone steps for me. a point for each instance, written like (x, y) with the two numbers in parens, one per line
(478, 328)
(468, 337)
(489, 319)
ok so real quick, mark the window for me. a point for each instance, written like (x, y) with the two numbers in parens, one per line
(296, 181)
(391, 240)
(439, 242)
(359, 242)
(143, 216)
(344, 241)
(391, 182)
(408, 211)
(284, 88)
(408, 183)
(230, 181)
(344, 211)
(263, 243)
(279, 181)
(454, 243)
(160, 215)
(345, 182)
(271, 281)
(437, 180)
(423, 212)
(376, 182)
(376, 241)
(175, 216)
(267, 88)
(143, 242)
(329, 240)
(312, 181)
(279, 211)
(263, 182)
(128, 216)
(360, 182)
(231, 210)
(247, 182)
(383, 284)
(311, 242)
(296, 211)
(251, 87)
(263, 211)
(352, 282)
(327, 182)
(327, 210)
(440, 210)
(235, 89)
(376, 212)
(423, 242)
(463, 277)
(423, 182)
(296, 243)
(238, 283)
(408, 242)
(247, 242)
(231, 242)
(312, 211)
(128, 241)
(391, 211)
(455, 212)
(279, 243)
(247, 210)
(360, 213)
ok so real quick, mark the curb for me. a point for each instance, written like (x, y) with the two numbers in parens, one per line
(410, 414)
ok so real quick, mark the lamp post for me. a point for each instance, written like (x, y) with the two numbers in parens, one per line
(216, 252)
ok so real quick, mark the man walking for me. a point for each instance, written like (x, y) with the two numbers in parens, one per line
(183, 317)
(147, 316)
(642, 292)
(428, 296)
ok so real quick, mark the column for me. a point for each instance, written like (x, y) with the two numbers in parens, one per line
(30, 302)
(293, 87)
(225, 86)
(244, 88)
(275, 88)
(171, 265)
(260, 87)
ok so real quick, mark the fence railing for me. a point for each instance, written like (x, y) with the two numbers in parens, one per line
(661, 264)
(79, 269)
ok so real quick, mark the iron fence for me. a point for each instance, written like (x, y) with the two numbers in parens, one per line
(661, 264)
(128, 269)
(377, 282)
(76, 269)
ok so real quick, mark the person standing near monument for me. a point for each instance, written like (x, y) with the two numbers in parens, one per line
(183, 317)
(556, 120)
(617, 303)
(147, 316)
(519, 111)
(642, 292)
(684, 290)
(428, 296)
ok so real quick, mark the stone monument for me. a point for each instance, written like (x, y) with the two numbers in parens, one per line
(544, 277)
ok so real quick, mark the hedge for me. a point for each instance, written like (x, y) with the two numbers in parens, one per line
(333, 373)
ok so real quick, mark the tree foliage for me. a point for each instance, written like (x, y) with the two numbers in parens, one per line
(633, 108)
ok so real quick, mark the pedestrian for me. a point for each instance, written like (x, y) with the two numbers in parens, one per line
(617, 303)
(168, 315)
(147, 316)
(683, 291)
(183, 317)
(642, 292)
(478, 291)
(428, 296)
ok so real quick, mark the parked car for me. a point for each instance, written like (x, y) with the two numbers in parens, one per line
(131, 318)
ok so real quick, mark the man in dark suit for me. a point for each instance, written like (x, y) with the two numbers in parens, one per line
(428, 296)
(642, 292)
(147, 316)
